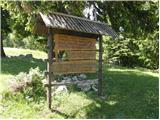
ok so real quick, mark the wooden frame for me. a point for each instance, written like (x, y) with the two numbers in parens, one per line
(100, 72)
(71, 26)
(49, 69)
(70, 67)
(50, 65)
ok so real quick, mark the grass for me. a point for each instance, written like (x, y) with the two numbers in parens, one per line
(131, 93)
(17, 52)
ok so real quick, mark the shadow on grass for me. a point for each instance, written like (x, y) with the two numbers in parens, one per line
(14, 65)
(129, 95)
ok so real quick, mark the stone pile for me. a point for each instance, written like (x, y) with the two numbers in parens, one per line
(84, 86)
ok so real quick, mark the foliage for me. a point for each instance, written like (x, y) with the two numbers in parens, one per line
(30, 42)
(22, 19)
(24, 12)
(30, 85)
(134, 18)
(133, 52)
(4, 23)
(38, 56)
(136, 22)
(137, 25)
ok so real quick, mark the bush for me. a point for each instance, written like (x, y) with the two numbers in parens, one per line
(131, 52)
(29, 85)
(30, 42)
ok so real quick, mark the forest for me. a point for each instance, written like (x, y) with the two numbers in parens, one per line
(136, 23)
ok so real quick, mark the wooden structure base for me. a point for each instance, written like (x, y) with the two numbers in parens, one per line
(93, 81)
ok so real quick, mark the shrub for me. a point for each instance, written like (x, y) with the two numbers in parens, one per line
(29, 85)
(30, 42)
(132, 52)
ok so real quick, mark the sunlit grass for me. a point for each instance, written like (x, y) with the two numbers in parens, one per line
(18, 51)
(136, 71)
(4, 81)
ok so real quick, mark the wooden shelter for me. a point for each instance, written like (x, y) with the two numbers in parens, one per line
(75, 38)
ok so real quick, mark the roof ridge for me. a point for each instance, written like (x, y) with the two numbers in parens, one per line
(94, 27)
(82, 18)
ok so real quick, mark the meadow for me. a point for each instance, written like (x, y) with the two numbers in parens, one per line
(130, 93)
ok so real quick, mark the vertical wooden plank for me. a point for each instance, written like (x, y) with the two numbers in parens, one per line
(49, 64)
(100, 68)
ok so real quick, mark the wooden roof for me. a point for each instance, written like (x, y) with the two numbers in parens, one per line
(60, 21)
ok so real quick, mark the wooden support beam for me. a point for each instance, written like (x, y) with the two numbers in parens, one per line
(49, 64)
(100, 68)
(93, 81)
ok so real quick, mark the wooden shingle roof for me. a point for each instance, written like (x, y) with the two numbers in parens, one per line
(72, 23)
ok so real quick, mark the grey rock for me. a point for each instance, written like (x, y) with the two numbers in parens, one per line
(6, 57)
(41, 60)
(63, 81)
(82, 76)
(12, 56)
(44, 81)
(94, 87)
(21, 56)
(61, 88)
(67, 78)
(84, 86)
(66, 81)
(44, 60)
(29, 56)
(74, 78)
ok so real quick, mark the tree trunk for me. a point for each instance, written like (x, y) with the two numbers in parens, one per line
(2, 50)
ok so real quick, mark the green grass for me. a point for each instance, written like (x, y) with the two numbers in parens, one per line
(17, 52)
(131, 93)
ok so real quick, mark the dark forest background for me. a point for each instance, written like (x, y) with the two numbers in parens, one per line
(135, 22)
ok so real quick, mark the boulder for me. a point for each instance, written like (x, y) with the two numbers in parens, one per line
(21, 56)
(61, 88)
(74, 78)
(67, 79)
(94, 87)
(82, 76)
(29, 56)
(44, 60)
(84, 87)
(88, 85)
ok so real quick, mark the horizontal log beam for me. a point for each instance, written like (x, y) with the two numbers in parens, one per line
(93, 81)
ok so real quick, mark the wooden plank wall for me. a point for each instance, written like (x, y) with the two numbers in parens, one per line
(80, 54)
(67, 67)
(69, 42)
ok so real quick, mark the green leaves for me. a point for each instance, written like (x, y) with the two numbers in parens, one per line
(134, 52)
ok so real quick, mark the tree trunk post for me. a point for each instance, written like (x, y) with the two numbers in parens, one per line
(100, 68)
(2, 49)
(49, 64)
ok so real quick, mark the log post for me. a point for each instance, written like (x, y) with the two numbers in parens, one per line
(100, 68)
(49, 64)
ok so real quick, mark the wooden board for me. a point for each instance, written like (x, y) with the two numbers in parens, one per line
(77, 55)
(81, 55)
(68, 42)
(80, 82)
(67, 67)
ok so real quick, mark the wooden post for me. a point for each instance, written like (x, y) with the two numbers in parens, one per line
(100, 68)
(50, 57)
